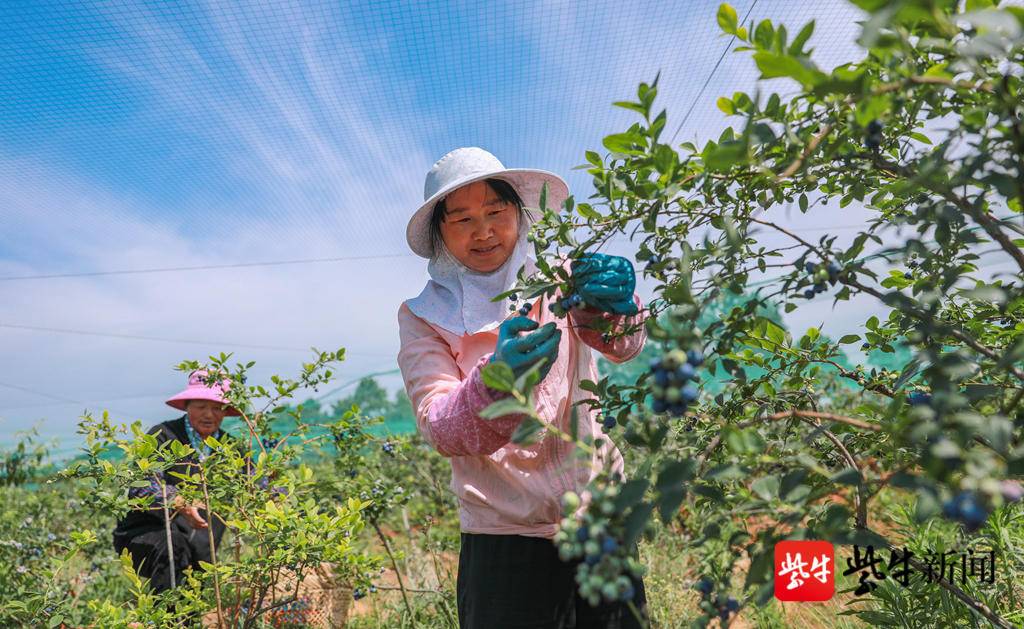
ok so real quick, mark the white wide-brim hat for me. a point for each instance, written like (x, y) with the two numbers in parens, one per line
(464, 166)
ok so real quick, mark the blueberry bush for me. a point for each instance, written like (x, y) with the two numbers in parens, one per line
(740, 433)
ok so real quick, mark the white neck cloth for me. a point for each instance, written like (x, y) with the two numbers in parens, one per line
(458, 298)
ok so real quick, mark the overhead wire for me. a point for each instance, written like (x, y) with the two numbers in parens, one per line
(204, 267)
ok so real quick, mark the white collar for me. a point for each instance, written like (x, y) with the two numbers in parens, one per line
(458, 298)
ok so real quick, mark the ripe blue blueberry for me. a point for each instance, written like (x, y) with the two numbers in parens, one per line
(593, 559)
(908, 275)
(358, 593)
(809, 293)
(732, 604)
(661, 378)
(950, 509)
(609, 422)
(628, 594)
(659, 406)
(388, 447)
(609, 545)
(705, 586)
(689, 393)
(695, 357)
(833, 268)
(917, 398)
(524, 310)
(576, 300)
(865, 347)
(677, 408)
(820, 288)
(810, 267)
(686, 372)
(582, 534)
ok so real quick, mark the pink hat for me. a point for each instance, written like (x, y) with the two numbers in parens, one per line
(198, 389)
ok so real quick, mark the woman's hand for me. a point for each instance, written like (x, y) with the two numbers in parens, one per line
(190, 512)
(606, 282)
(523, 352)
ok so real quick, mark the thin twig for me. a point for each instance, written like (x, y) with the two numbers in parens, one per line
(213, 545)
(810, 148)
(398, 573)
(167, 529)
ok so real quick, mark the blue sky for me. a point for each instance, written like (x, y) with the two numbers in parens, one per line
(153, 135)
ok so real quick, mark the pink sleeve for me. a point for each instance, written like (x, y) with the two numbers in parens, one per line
(447, 406)
(620, 349)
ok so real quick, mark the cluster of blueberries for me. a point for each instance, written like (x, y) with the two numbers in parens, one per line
(359, 593)
(821, 273)
(672, 390)
(564, 305)
(605, 567)
(607, 421)
(919, 398)
(724, 606)
(971, 509)
(269, 444)
(388, 448)
(967, 508)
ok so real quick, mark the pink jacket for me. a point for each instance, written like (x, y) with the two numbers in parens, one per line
(504, 488)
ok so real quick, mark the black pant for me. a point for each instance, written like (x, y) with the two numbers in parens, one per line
(516, 582)
(151, 559)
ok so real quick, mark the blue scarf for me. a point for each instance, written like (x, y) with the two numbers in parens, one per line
(202, 450)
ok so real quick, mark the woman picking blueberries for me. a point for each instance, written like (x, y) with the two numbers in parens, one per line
(472, 227)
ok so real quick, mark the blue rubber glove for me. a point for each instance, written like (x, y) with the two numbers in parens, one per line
(606, 282)
(523, 352)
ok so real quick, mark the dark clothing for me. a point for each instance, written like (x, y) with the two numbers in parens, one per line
(143, 533)
(519, 582)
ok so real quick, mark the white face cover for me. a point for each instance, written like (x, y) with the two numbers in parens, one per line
(458, 299)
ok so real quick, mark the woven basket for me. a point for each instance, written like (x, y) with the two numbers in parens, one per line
(322, 602)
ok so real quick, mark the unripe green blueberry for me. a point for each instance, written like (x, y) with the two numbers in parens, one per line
(565, 552)
(607, 507)
(672, 395)
(570, 501)
(610, 592)
(591, 547)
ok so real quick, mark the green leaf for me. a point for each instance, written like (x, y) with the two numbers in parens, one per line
(673, 473)
(723, 156)
(774, 66)
(909, 371)
(635, 523)
(726, 105)
(727, 19)
(797, 47)
(848, 476)
(766, 487)
(526, 431)
(503, 407)
(630, 493)
(637, 107)
(498, 376)
(626, 143)
(849, 338)
(668, 503)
